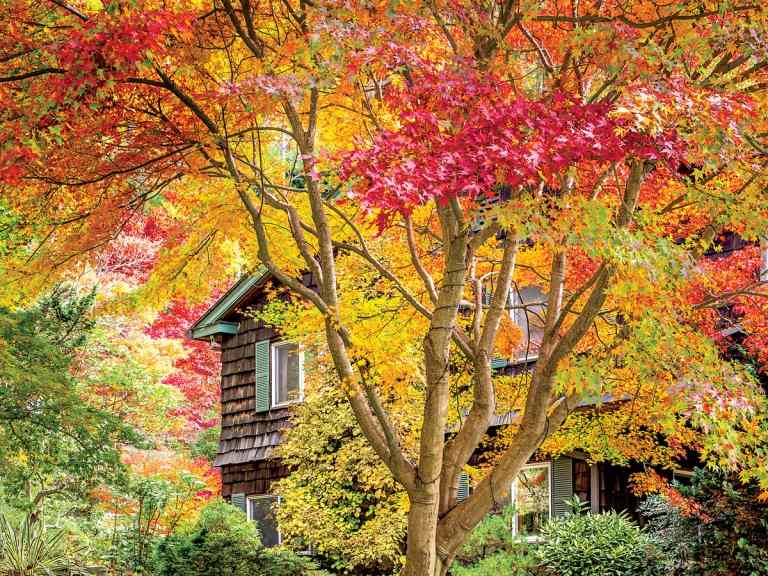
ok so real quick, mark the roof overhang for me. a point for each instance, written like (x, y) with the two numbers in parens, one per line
(211, 323)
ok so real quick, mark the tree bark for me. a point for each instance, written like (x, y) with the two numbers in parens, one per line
(421, 550)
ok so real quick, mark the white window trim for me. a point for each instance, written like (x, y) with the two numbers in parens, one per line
(273, 374)
(272, 497)
(548, 464)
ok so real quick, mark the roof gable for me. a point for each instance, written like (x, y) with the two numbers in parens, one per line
(212, 323)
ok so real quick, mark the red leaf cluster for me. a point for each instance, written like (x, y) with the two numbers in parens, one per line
(197, 374)
(461, 134)
(109, 48)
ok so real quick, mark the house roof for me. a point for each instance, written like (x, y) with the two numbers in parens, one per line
(214, 322)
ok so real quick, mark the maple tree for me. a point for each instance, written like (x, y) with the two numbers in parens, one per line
(196, 374)
(423, 161)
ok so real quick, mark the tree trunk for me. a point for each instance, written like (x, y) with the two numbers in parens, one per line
(421, 546)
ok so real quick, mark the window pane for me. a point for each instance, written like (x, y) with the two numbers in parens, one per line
(532, 500)
(615, 490)
(582, 480)
(530, 320)
(288, 373)
(260, 511)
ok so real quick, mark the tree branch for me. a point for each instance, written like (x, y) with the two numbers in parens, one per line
(31, 74)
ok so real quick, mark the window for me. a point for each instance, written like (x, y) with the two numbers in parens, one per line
(615, 491)
(582, 480)
(261, 511)
(287, 373)
(532, 499)
(530, 319)
(527, 308)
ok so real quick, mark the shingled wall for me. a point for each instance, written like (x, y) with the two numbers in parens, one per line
(248, 439)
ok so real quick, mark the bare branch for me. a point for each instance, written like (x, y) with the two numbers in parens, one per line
(429, 284)
(71, 9)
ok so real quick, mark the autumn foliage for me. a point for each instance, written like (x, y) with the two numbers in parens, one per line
(463, 181)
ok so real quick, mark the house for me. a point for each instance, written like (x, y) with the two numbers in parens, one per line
(261, 377)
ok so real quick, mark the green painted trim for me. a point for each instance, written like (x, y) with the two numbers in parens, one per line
(239, 501)
(226, 304)
(498, 362)
(213, 329)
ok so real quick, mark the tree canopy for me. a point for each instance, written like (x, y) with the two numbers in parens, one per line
(463, 180)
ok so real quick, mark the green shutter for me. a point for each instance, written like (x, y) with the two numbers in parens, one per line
(463, 491)
(238, 501)
(562, 485)
(262, 376)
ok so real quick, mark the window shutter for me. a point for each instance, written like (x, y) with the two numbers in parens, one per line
(463, 491)
(562, 485)
(262, 376)
(238, 501)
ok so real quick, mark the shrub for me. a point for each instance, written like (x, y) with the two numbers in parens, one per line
(607, 544)
(492, 549)
(224, 543)
(733, 529)
(726, 533)
(671, 530)
(339, 496)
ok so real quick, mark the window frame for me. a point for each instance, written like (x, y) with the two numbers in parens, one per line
(513, 497)
(273, 373)
(517, 308)
(275, 498)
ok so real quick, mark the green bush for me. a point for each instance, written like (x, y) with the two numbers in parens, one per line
(224, 543)
(608, 544)
(728, 535)
(492, 549)
(674, 533)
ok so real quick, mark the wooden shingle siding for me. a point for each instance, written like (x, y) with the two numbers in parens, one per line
(251, 477)
(248, 438)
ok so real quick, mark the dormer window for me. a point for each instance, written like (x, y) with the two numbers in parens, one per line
(527, 307)
(287, 373)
